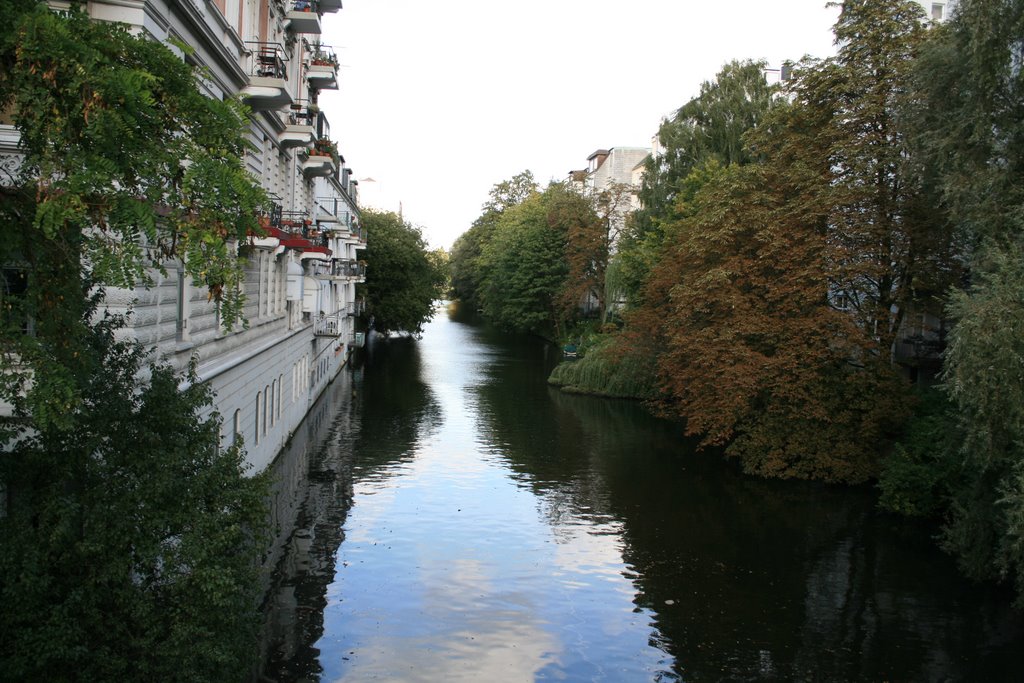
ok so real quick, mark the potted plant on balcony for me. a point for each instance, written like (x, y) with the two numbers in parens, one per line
(323, 58)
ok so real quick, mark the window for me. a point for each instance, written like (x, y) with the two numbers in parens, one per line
(273, 402)
(266, 399)
(237, 425)
(938, 11)
(259, 406)
(181, 323)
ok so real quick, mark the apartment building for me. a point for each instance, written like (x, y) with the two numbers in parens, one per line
(302, 272)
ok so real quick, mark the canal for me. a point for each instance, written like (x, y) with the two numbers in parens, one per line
(446, 516)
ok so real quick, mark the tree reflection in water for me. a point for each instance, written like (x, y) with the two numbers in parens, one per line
(599, 543)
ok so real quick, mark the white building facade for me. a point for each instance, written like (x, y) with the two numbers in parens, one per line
(302, 271)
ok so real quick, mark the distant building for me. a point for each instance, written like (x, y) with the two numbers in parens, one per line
(609, 167)
(939, 10)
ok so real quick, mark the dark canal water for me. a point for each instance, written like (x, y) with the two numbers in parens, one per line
(446, 516)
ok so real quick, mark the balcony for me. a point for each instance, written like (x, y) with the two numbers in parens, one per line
(297, 232)
(347, 269)
(323, 161)
(268, 78)
(300, 130)
(334, 215)
(270, 224)
(328, 325)
(322, 67)
(318, 166)
(357, 308)
(304, 17)
(359, 233)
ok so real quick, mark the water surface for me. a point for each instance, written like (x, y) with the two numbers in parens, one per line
(448, 517)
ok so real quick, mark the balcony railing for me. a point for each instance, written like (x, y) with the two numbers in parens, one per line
(918, 348)
(268, 77)
(357, 308)
(267, 60)
(300, 129)
(328, 325)
(304, 17)
(303, 113)
(322, 67)
(347, 268)
(336, 210)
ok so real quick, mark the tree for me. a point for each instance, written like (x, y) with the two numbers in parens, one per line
(970, 131)
(523, 264)
(466, 267)
(403, 280)
(784, 281)
(508, 193)
(130, 543)
(126, 165)
(592, 232)
(755, 358)
(130, 548)
(709, 126)
(885, 235)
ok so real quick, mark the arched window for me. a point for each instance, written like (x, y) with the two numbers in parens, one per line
(273, 403)
(259, 407)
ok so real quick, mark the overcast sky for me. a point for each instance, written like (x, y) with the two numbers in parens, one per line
(441, 99)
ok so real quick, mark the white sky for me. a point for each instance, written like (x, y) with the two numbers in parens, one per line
(441, 99)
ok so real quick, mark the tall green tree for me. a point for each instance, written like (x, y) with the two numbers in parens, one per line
(886, 235)
(524, 263)
(130, 541)
(970, 133)
(708, 127)
(130, 545)
(403, 279)
(467, 270)
(784, 282)
(126, 165)
(705, 134)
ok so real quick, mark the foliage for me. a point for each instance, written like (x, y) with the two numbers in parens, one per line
(984, 375)
(708, 127)
(968, 136)
(755, 357)
(465, 264)
(130, 543)
(467, 269)
(130, 548)
(126, 165)
(403, 279)
(512, 192)
(608, 368)
(594, 223)
(886, 236)
(523, 264)
(705, 135)
(922, 471)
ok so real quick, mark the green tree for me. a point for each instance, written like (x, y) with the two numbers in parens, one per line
(130, 543)
(467, 272)
(709, 126)
(108, 121)
(968, 133)
(784, 281)
(524, 266)
(130, 548)
(403, 279)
